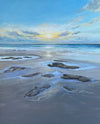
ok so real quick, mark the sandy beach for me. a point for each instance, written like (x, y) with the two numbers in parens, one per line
(39, 87)
(49, 61)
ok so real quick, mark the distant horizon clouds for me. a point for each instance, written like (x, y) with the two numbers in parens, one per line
(55, 22)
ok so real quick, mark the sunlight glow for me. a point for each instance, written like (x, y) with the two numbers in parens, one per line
(49, 36)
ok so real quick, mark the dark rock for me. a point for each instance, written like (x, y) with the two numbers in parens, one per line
(70, 89)
(77, 77)
(13, 58)
(60, 60)
(84, 79)
(48, 75)
(14, 68)
(27, 57)
(8, 58)
(37, 90)
(61, 65)
(31, 75)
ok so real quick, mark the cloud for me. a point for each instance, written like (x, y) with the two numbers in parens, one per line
(93, 5)
(78, 32)
(64, 34)
(67, 33)
(95, 20)
(92, 22)
(76, 27)
(14, 33)
(21, 35)
(30, 32)
(6, 39)
(79, 28)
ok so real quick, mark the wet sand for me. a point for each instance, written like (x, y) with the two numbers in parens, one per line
(65, 101)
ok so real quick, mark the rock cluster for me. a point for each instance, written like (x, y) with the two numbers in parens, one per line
(16, 58)
(61, 65)
(13, 58)
(37, 90)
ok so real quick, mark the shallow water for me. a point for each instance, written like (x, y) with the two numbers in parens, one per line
(84, 52)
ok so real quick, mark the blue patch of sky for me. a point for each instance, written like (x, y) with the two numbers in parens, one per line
(39, 11)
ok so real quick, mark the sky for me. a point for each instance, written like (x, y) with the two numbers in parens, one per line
(50, 21)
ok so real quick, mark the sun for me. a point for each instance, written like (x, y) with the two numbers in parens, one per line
(48, 36)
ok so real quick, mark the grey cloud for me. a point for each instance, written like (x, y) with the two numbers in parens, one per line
(93, 5)
(75, 27)
(29, 32)
(68, 33)
(77, 32)
(95, 20)
(64, 34)
(14, 33)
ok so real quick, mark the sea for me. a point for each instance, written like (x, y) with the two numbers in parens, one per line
(86, 52)
(78, 47)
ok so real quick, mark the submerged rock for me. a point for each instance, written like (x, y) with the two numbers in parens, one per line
(61, 65)
(16, 58)
(77, 77)
(27, 57)
(14, 68)
(7, 58)
(48, 75)
(13, 58)
(37, 90)
(31, 75)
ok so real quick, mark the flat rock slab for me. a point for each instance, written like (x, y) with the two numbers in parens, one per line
(37, 90)
(61, 65)
(76, 77)
(48, 75)
(14, 68)
(31, 75)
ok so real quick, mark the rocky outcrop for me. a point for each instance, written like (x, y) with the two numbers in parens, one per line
(31, 75)
(48, 75)
(37, 90)
(14, 68)
(61, 65)
(76, 77)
